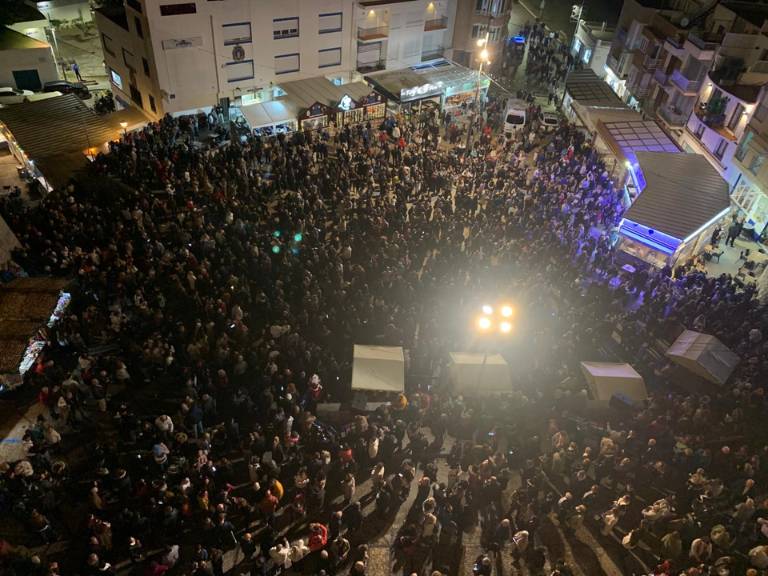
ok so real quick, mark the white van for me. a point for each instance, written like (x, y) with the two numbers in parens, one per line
(514, 116)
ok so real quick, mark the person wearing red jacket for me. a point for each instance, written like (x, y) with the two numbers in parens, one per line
(318, 537)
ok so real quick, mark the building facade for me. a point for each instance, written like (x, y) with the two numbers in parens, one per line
(750, 193)
(25, 63)
(475, 18)
(398, 34)
(591, 45)
(171, 57)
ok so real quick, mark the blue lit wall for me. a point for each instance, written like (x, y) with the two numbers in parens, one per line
(648, 236)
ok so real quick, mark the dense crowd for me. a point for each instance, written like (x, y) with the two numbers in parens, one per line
(226, 286)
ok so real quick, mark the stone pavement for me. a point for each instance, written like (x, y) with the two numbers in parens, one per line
(83, 47)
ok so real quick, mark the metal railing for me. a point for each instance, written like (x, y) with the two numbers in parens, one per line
(661, 77)
(372, 33)
(673, 117)
(685, 84)
(436, 24)
(700, 43)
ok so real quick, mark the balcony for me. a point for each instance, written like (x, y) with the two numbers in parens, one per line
(661, 77)
(372, 33)
(702, 47)
(715, 122)
(436, 24)
(685, 85)
(368, 67)
(432, 54)
(672, 117)
(645, 62)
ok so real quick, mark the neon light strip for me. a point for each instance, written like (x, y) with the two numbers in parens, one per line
(708, 224)
(647, 241)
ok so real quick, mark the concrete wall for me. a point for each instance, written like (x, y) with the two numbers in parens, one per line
(40, 59)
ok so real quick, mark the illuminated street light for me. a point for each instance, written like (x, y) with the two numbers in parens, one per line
(506, 311)
(484, 54)
(487, 309)
(505, 327)
(481, 42)
(484, 323)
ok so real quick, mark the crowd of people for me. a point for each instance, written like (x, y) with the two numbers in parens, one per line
(227, 285)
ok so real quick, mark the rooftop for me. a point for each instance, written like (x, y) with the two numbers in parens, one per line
(755, 12)
(12, 40)
(431, 76)
(14, 12)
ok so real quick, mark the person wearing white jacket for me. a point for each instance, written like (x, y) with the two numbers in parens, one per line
(280, 554)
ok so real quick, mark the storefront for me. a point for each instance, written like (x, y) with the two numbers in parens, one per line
(681, 201)
(369, 108)
(445, 83)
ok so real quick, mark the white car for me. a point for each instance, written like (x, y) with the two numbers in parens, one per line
(10, 95)
(550, 120)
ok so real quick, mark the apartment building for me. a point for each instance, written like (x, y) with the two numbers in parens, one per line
(750, 192)
(475, 18)
(165, 56)
(401, 33)
(641, 31)
(591, 45)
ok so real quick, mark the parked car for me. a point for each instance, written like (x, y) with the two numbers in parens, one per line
(550, 120)
(10, 95)
(77, 88)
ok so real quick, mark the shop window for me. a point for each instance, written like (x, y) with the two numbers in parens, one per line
(721, 148)
(287, 63)
(178, 9)
(285, 28)
(237, 33)
(331, 22)
(329, 57)
(239, 71)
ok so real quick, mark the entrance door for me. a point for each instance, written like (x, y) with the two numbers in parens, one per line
(27, 79)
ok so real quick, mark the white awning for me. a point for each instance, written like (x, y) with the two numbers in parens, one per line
(378, 368)
(705, 355)
(268, 113)
(479, 373)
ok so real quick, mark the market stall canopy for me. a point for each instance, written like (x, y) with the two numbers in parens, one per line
(683, 194)
(379, 368)
(705, 355)
(269, 113)
(425, 80)
(304, 93)
(56, 126)
(608, 378)
(477, 373)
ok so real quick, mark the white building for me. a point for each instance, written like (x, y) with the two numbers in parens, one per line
(25, 63)
(591, 45)
(167, 57)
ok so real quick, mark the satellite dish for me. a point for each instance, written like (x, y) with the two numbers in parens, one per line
(684, 21)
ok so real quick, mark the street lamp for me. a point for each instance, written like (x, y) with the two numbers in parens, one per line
(484, 59)
(124, 126)
(495, 319)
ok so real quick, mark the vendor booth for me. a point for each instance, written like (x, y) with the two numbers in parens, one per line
(378, 368)
(29, 307)
(588, 100)
(445, 83)
(606, 379)
(478, 373)
(273, 117)
(705, 355)
(618, 144)
(681, 199)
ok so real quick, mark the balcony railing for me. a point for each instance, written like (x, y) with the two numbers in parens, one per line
(685, 85)
(433, 54)
(436, 24)
(661, 77)
(673, 117)
(700, 43)
(372, 33)
(375, 66)
(715, 122)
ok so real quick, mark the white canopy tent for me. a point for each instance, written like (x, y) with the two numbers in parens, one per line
(703, 354)
(608, 378)
(380, 368)
(478, 373)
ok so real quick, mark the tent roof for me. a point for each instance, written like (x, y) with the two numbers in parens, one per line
(683, 192)
(586, 88)
(378, 368)
(270, 113)
(304, 93)
(472, 358)
(56, 126)
(704, 355)
(607, 378)
(610, 369)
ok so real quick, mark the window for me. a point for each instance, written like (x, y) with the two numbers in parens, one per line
(587, 55)
(129, 60)
(757, 163)
(736, 116)
(495, 34)
(699, 130)
(178, 9)
(741, 151)
(108, 47)
(576, 46)
(495, 7)
(721, 147)
(152, 103)
(329, 57)
(117, 80)
(331, 22)
(136, 96)
(478, 30)
(145, 64)
(237, 33)
(135, 4)
(239, 71)
(287, 63)
(285, 28)
(137, 25)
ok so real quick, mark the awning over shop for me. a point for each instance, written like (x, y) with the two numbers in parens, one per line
(425, 80)
(380, 368)
(683, 195)
(608, 378)
(591, 100)
(705, 355)
(269, 113)
(476, 373)
(304, 93)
